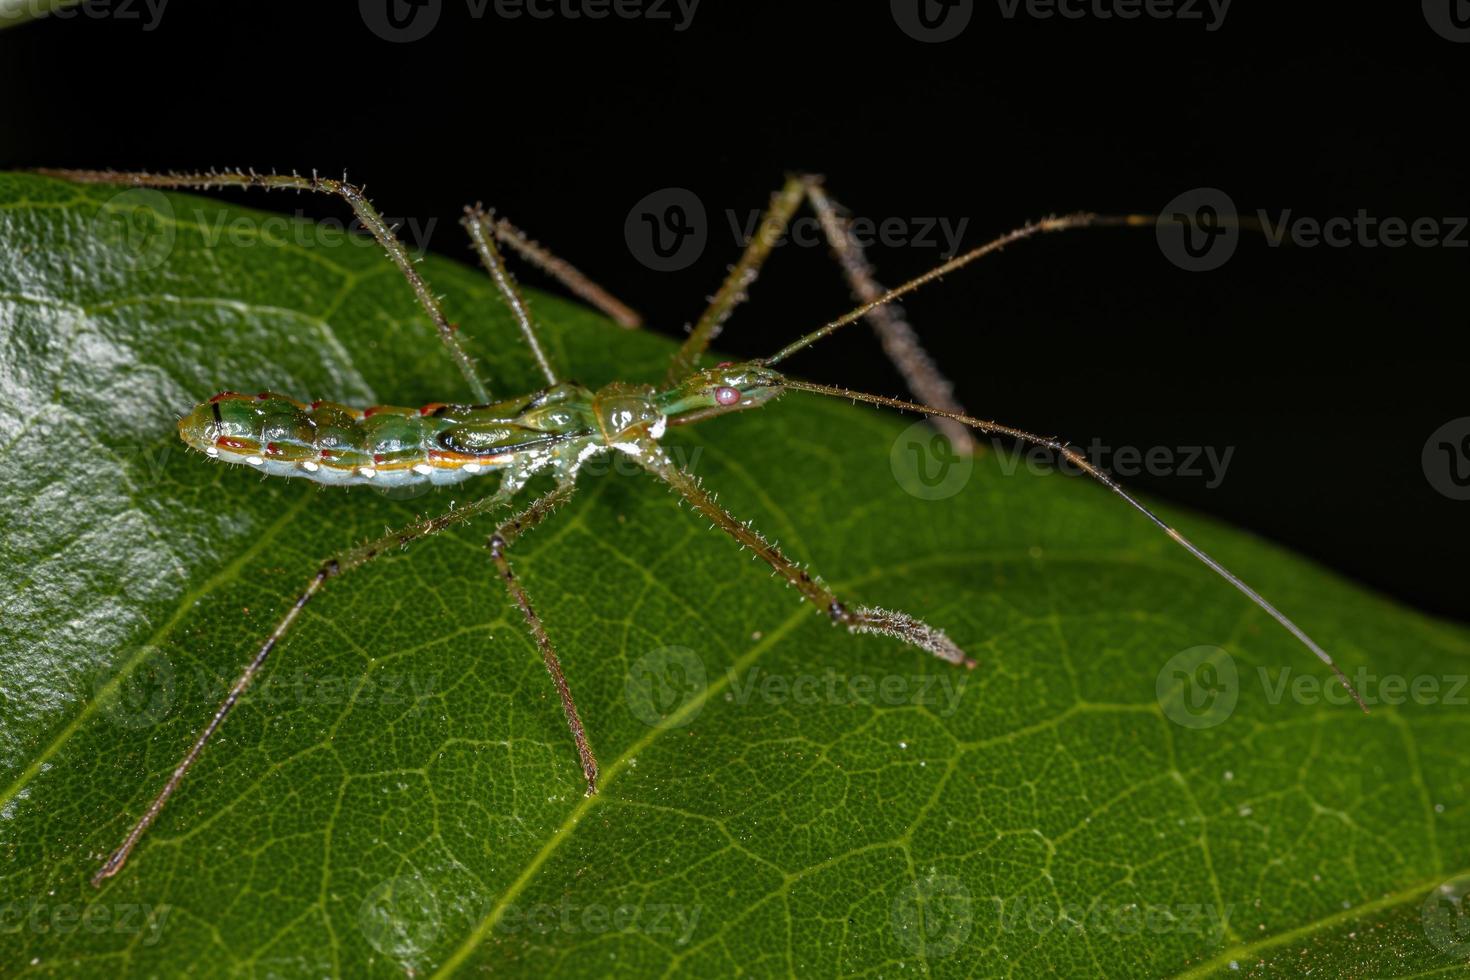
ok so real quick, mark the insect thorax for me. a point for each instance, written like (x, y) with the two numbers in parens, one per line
(627, 415)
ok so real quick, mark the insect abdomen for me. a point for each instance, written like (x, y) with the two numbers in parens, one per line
(341, 446)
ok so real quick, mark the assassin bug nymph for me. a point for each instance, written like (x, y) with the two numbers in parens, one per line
(559, 427)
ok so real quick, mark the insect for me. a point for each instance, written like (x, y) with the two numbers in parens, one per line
(559, 427)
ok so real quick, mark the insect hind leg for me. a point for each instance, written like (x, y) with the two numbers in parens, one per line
(330, 569)
(499, 544)
(361, 206)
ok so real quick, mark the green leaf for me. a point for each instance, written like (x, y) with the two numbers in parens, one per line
(1144, 776)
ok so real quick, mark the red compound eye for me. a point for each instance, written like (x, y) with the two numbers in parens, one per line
(727, 396)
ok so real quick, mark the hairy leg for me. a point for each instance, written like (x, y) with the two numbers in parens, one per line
(898, 338)
(331, 568)
(361, 206)
(567, 274)
(860, 619)
(478, 222)
(499, 544)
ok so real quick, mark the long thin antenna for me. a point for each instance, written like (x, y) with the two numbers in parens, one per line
(1081, 462)
(1081, 219)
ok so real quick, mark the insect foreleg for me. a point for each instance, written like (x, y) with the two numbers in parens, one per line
(481, 227)
(861, 619)
(567, 274)
(361, 206)
(499, 543)
(331, 568)
(899, 340)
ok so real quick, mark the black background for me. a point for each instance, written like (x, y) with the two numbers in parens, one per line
(1325, 368)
